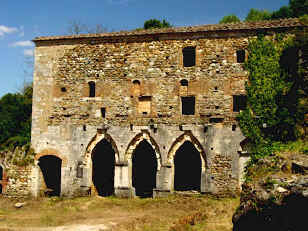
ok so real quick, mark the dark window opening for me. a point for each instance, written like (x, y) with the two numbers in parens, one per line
(144, 113)
(239, 102)
(103, 160)
(103, 112)
(51, 170)
(189, 56)
(63, 89)
(216, 120)
(136, 82)
(184, 82)
(216, 107)
(84, 127)
(233, 127)
(240, 56)
(188, 105)
(187, 168)
(144, 169)
(215, 88)
(91, 89)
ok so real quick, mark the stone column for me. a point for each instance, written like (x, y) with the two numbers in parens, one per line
(121, 181)
(163, 181)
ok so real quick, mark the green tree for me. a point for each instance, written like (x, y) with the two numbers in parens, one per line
(299, 7)
(229, 19)
(283, 12)
(155, 23)
(257, 15)
(15, 118)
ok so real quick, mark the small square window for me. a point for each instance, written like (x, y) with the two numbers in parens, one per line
(188, 105)
(239, 102)
(103, 112)
(189, 56)
(240, 56)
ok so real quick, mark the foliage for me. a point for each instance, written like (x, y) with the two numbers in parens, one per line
(15, 118)
(257, 15)
(229, 19)
(273, 95)
(155, 23)
(299, 7)
(283, 12)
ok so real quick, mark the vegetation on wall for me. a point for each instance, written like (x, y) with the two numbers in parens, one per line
(229, 19)
(155, 23)
(276, 93)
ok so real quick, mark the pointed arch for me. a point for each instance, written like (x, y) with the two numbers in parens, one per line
(95, 140)
(187, 136)
(145, 135)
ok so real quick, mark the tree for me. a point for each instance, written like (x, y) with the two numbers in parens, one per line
(229, 19)
(76, 27)
(283, 12)
(155, 23)
(255, 15)
(299, 7)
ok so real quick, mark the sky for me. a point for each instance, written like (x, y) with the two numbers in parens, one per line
(21, 21)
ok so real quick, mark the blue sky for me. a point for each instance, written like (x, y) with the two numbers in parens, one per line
(21, 21)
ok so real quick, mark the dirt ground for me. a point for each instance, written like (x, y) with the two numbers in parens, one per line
(173, 213)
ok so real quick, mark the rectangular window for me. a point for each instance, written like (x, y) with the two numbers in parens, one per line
(103, 112)
(189, 56)
(144, 105)
(188, 105)
(240, 56)
(239, 102)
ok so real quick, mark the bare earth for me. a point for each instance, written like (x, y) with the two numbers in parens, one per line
(174, 213)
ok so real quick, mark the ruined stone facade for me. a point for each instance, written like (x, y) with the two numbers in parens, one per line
(167, 87)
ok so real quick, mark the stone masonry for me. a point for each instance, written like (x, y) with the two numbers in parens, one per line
(126, 87)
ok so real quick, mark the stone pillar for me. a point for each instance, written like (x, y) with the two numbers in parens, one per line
(163, 181)
(122, 186)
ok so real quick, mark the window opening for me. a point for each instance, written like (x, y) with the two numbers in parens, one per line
(239, 102)
(233, 127)
(216, 120)
(189, 56)
(63, 89)
(184, 83)
(84, 127)
(103, 112)
(188, 105)
(91, 89)
(240, 56)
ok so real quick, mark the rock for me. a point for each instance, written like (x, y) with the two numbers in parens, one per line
(20, 204)
(281, 190)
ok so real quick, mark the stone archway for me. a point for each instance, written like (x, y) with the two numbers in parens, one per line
(99, 161)
(103, 164)
(187, 160)
(143, 156)
(50, 166)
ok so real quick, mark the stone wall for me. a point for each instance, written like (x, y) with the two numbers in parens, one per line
(138, 96)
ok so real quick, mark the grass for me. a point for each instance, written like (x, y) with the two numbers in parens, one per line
(173, 213)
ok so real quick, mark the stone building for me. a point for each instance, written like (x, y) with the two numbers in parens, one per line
(142, 113)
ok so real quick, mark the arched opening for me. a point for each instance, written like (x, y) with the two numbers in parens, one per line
(51, 169)
(144, 169)
(103, 162)
(187, 168)
(1, 178)
(91, 89)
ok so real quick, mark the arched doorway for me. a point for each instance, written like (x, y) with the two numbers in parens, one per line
(144, 169)
(103, 162)
(51, 169)
(187, 168)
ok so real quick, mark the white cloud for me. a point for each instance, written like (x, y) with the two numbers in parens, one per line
(28, 52)
(22, 44)
(7, 30)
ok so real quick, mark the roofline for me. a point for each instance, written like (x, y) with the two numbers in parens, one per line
(250, 26)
